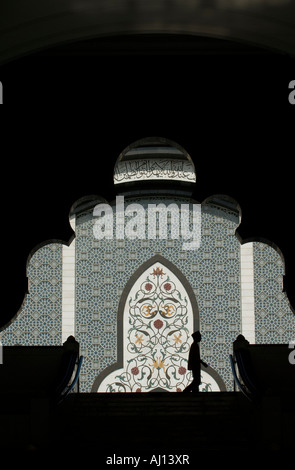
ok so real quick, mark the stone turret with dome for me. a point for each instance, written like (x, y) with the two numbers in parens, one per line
(154, 164)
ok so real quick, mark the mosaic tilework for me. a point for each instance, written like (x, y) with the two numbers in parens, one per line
(103, 268)
(39, 320)
(274, 320)
(158, 321)
(217, 287)
(157, 325)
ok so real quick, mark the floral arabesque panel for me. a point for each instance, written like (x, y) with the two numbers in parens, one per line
(157, 326)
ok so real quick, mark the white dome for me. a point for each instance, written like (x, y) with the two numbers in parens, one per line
(152, 159)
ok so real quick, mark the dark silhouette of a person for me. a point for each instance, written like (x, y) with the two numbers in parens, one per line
(194, 363)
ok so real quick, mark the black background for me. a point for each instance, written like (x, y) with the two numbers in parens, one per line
(67, 116)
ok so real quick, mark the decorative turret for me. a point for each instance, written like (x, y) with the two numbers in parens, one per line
(154, 164)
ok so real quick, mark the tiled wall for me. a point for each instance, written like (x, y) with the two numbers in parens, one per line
(274, 320)
(76, 289)
(104, 267)
(39, 320)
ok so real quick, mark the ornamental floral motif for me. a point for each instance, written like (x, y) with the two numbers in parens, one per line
(158, 336)
(182, 370)
(148, 286)
(135, 371)
(158, 324)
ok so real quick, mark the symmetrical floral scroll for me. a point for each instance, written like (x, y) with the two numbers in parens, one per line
(157, 336)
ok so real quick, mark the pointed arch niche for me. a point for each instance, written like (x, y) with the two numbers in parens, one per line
(157, 314)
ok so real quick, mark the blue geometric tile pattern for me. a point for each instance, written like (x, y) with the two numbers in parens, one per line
(103, 268)
(212, 271)
(39, 320)
(274, 321)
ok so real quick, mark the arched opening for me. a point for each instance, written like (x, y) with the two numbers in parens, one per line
(157, 314)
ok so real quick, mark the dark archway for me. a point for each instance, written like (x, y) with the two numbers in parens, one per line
(269, 24)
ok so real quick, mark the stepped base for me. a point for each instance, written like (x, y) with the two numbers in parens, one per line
(215, 424)
(173, 422)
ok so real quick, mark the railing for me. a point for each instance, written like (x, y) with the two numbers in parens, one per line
(50, 372)
(237, 382)
(260, 369)
(66, 387)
